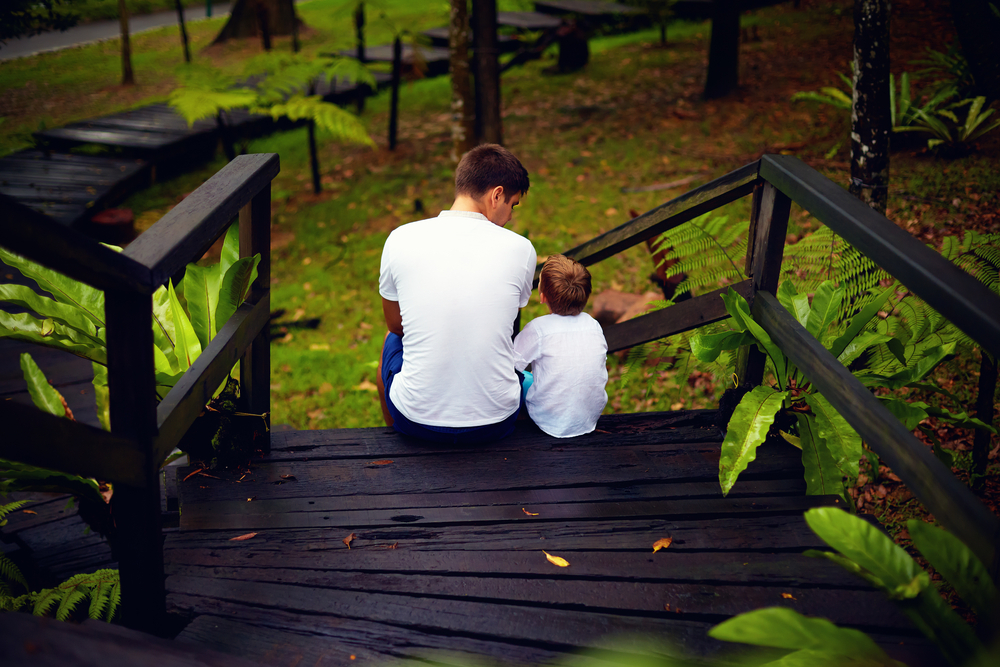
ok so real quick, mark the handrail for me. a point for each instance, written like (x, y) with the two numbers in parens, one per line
(950, 501)
(189, 228)
(946, 288)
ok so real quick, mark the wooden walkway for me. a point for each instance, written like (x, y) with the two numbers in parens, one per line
(447, 549)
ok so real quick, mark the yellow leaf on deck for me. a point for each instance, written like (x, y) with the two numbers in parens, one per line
(529, 513)
(662, 543)
(242, 537)
(29, 511)
(347, 540)
(556, 560)
(789, 596)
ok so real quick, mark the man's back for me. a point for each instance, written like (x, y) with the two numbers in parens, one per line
(459, 280)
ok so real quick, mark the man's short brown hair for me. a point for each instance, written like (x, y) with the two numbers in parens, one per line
(565, 283)
(487, 166)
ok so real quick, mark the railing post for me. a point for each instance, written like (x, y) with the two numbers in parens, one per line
(255, 366)
(136, 510)
(765, 250)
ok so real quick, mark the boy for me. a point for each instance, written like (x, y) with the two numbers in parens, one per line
(567, 352)
(451, 287)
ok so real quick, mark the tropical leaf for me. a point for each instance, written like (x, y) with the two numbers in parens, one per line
(795, 303)
(230, 249)
(864, 544)
(746, 431)
(43, 394)
(23, 326)
(708, 347)
(67, 315)
(201, 290)
(235, 287)
(188, 348)
(859, 344)
(23, 477)
(909, 414)
(195, 103)
(164, 334)
(102, 396)
(825, 306)
(819, 467)
(63, 289)
(842, 441)
(737, 306)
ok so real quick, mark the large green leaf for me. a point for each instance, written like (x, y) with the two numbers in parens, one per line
(102, 396)
(861, 343)
(819, 468)
(23, 326)
(230, 248)
(188, 348)
(842, 441)
(708, 347)
(164, 336)
(65, 290)
(910, 414)
(795, 303)
(958, 565)
(201, 289)
(917, 372)
(860, 321)
(825, 306)
(747, 429)
(235, 287)
(961, 419)
(737, 306)
(43, 394)
(780, 627)
(732, 299)
(70, 316)
(864, 544)
(23, 477)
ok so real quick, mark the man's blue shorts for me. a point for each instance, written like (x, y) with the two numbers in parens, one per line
(392, 363)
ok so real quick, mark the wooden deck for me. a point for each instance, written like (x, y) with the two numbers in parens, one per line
(448, 546)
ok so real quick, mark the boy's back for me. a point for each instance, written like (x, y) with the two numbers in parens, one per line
(568, 354)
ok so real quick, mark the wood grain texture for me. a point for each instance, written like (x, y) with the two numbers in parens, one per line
(951, 502)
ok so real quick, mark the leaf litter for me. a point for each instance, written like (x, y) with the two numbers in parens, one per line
(556, 560)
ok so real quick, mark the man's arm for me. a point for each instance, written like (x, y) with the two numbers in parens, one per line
(393, 318)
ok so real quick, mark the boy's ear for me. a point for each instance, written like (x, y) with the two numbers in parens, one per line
(541, 296)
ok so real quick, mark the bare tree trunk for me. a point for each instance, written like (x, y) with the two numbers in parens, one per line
(723, 50)
(462, 101)
(397, 66)
(870, 113)
(484, 25)
(184, 32)
(359, 31)
(128, 79)
(243, 19)
(264, 23)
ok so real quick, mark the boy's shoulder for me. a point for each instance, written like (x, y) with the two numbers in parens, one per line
(553, 323)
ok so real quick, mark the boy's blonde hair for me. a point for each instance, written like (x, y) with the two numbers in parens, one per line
(566, 285)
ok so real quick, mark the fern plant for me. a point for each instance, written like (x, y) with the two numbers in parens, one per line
(10, 573)
(102, 589)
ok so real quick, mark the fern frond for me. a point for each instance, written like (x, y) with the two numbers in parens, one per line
(10, 508)
(9, 571)
(707, 251)
(344, 125)
(195, 103)
(103, 588)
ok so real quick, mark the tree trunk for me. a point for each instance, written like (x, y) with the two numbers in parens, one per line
(243, 21)
(184, 32)
(359, 31)
(128, 79)
(723, 50)
(489, 127)
(984, 412)
(397, 66)
(978, 26)
(264, 23)
(462, 101)
(870, 115)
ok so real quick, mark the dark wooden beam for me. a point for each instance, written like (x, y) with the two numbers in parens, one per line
(675, 212)
(41, 239)
(255, 365)
(951, 502)
(684, 316)
(192, 226)
(178, 410)
(37, 438)
(965, 301)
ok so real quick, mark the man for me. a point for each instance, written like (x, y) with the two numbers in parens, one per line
(451, 287)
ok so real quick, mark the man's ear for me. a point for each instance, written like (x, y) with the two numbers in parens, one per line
(496, 195)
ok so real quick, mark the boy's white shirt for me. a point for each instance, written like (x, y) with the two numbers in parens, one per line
(568, 357)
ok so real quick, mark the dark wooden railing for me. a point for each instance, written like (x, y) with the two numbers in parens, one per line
(142, 432)
(775, 182)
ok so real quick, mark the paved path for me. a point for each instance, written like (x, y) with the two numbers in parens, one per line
(99, 30)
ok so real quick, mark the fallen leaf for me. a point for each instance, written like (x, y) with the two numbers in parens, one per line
(242, 537)
(529, 513)
(789, 596)
(381, 462)
(366, 385)
(662, 543)
(251, 498)
(347, 540)
(325, 388)
(290, 478)
(666, 607)
(205, 474)
(556, 560)
(190, 475)
(29, 511)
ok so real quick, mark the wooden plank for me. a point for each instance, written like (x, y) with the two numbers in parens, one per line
(40, 439)
(584, 7)
(868, 609)
(681, 317)
(189, 228)
(136, 508)
(186, 400)
(251, 518)
(765, 534)
(278, 637)
(528, 20)
(665, 217)
(951, 502)
(736, 568)
(962, 299)
(31, 641)
(45, 241)
(463, 471)
(122, 138)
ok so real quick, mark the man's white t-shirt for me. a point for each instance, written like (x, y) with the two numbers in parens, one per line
(459, 280)
(568, 357)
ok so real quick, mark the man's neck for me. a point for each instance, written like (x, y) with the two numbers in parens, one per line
(467, 203)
